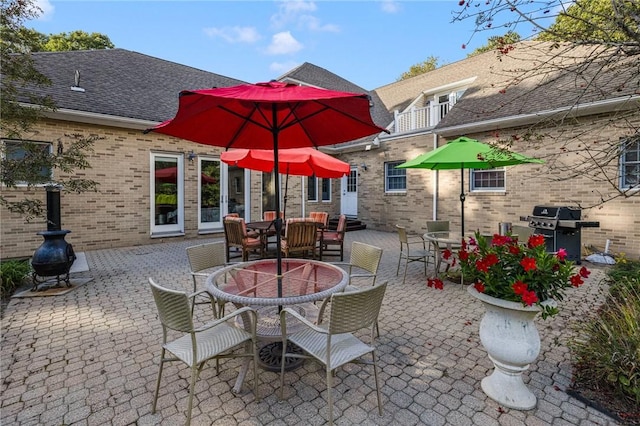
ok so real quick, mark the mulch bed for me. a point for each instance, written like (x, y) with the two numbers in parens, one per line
(623, 410)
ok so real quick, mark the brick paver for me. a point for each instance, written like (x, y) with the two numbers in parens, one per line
(89, 357)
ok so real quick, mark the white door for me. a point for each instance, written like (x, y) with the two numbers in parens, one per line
(349, 194)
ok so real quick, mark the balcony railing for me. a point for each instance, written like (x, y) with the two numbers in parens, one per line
(417, 118)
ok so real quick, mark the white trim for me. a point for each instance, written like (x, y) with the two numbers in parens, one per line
(99, 119)
(524, 119)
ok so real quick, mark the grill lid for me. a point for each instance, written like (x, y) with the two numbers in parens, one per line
(557, 212)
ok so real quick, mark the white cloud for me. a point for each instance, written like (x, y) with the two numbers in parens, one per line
(234, 34)
(313, 23)
(390, 6)
(301, 14)
(283, 43)
(282, 67)
(46, 9)
(289, 10)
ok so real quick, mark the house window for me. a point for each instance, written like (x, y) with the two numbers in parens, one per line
(488, 179)
(312, 188)
(19, 150)
(395, 180)
(630, 163)
(326, 189)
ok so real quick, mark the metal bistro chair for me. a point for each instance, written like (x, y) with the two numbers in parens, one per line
(409, 253)
(334, 345)
(435, 226)
(197, 345)
(204, 257)
(300, 236)
(363, 263)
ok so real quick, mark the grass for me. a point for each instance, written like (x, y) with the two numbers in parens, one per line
(12, 275)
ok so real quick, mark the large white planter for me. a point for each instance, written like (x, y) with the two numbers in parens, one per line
(510, 337)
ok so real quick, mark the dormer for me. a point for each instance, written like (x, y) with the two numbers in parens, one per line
(426, 111)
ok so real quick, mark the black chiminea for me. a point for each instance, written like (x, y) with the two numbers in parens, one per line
(55, 256)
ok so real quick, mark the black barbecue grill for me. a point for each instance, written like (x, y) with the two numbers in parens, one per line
(561, 227)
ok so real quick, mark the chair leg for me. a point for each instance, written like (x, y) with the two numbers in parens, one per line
(406, 265)
(192, 388)
(375, 375)
(256, 383)
(155, 397)
(282, 361)
(330, 395)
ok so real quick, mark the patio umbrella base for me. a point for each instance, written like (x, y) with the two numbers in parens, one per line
(270, 357)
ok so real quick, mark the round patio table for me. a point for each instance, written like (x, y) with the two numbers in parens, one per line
(255, 284)
(441, 239)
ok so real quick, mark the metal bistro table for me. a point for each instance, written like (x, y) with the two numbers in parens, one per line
(440, 240)
(255, 284)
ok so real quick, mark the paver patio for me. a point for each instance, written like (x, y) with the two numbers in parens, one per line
(89, 357)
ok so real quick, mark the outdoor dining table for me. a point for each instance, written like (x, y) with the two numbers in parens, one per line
(262, 227)
(255, 284)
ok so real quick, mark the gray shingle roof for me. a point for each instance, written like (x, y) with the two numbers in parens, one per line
(548, 79)
(121, 83)
(317, 76)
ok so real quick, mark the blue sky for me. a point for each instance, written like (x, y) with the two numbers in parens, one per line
(370, 43)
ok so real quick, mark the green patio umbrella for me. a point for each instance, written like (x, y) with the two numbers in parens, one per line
(466, 153)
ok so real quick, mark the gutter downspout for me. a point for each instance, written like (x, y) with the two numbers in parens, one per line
(435, 183)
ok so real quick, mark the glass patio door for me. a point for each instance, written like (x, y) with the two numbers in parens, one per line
(209, 196)
(167, 193)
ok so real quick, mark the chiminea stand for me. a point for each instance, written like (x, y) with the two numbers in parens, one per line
(55, 256)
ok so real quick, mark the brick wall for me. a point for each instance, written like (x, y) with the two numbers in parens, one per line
(527, 185)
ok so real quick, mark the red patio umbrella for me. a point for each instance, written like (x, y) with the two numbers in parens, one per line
(272, 116)
(293, 161)
(170, 174)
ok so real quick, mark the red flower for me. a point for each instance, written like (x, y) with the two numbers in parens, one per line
(500, 240)
(584, 272)
(535, 240)
(479, 287)
(561, 254)
(529, 298)
(514, 249)
(519, 287)
(446, 254)
(482, 266)
(576, 280)
(491, 259)
(435, 283)
(529, 264)
(463, 255)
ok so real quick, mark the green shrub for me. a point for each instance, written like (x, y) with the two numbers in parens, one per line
(607, 348)
(12, 275)
(624, 268)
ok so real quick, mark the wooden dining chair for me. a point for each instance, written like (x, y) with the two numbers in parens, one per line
(300, 236)
(236, 236)
(333, 241)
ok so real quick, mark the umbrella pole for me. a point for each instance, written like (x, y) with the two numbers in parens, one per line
(462, 197)
(278, 221)
(286, 189)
